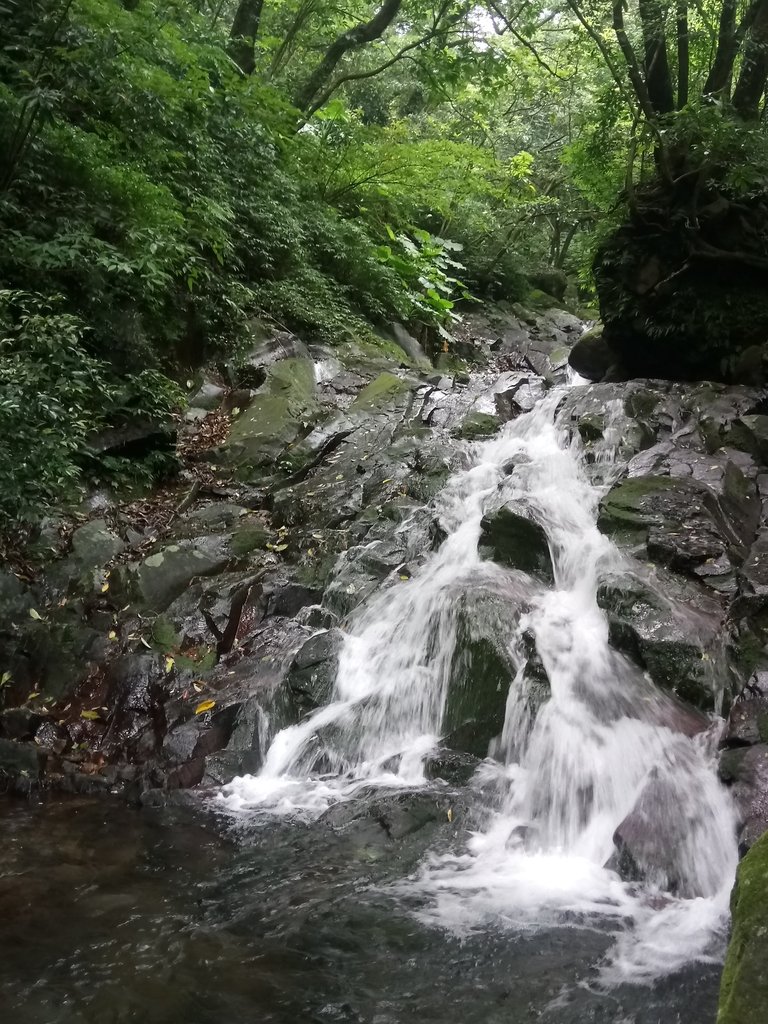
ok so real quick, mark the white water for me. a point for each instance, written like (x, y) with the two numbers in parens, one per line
(563, 780)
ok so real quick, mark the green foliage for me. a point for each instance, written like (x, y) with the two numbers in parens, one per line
(423, 265)
(54, 396)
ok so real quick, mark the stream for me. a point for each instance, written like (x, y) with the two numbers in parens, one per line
(350, 879)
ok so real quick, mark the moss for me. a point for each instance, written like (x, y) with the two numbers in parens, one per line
(477, 424)
(623, 508)
(744, 986)
(250, 537)
(379, 392)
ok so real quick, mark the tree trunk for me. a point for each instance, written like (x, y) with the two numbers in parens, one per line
(683, 54)
(242, 37)
(754, 69)
(658, 76)
(352, 39)
(727, 46)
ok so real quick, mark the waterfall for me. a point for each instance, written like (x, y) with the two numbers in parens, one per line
(563, 779)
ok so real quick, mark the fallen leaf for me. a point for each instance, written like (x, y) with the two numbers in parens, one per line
(204, 706)
(169, 663)
(450, 814)
(198, 687)
(104, 588)
(35, 614)
(90, 715)
(111, 635)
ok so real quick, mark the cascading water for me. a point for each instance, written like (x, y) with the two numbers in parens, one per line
(598, 749)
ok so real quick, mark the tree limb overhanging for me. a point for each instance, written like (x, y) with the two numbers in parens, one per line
(352, 39)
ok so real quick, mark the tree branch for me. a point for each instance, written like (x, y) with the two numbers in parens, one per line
(357, 76)
(352, 39)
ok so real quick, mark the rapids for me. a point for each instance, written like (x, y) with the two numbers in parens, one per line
(557, 783)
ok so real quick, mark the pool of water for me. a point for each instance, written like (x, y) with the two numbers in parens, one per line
(178, 915)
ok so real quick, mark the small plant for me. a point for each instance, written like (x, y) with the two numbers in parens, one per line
(426, 269)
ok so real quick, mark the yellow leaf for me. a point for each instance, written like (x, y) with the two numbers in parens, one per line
(111, 635)
(204, 706)
(387, 481)
(280, 547)
(104, 588)
(450, 814)
(90, 715)
(35, 614)
(33, 695)
(169, 663)
(405, 577)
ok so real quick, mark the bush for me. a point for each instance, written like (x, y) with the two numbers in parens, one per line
(54, 396)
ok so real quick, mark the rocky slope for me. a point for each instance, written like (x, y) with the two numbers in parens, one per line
(152, 656)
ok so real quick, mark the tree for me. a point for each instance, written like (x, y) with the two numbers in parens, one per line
(682, 279)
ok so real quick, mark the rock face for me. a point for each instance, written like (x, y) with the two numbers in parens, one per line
(514, 539)
(744, 988)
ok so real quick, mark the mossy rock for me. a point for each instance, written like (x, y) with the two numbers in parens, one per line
(277, 417)
(379, 393)
(744, 986)
(478, 424)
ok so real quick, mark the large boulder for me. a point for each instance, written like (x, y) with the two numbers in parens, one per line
(591, 356)
(744, 986)
(671, 630)
(277, 417)
(481, 672)
(512, 538)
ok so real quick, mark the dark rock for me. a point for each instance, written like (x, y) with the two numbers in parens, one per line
(207, 397)
(314, 669)
(165, 575)
(651, 841)
(452, 766)
(551, 280)
(519, 398)
(747, 722)
(478, 424)
(481, 673)
(20, 767)
(745, 771)
(591, 356)
(674, 633)
(513, 539)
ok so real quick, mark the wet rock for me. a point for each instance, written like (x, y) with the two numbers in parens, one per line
(744, 986)
(551, 280)
(682, 524)
(164, 575)
(512, 538)
(270, 347)
(208, 397)
(519, 398)
(477, 424)
(452, 766)
(277, 417)
(314, 669)
(591, 357)
(93, 544)
(747, 721)
(650, 841)
(480, 675)
(20, 767)
(745, 771)
(675, 634)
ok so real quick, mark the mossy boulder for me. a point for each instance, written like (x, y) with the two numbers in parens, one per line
(277, 417)
(166, 574)
(591, 356)
(481, 674)
(476, 425)
(744, 986)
